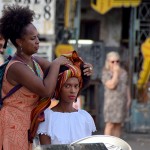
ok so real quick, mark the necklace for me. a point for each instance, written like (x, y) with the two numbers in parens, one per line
(37, 69)
(30, 67)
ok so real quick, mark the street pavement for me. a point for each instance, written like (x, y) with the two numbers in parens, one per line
(137, 141)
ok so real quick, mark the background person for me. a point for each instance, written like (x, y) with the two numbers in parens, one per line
(2, 43)
(116, 96)
(63, 123)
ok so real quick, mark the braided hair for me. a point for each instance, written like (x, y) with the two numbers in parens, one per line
(13, 22)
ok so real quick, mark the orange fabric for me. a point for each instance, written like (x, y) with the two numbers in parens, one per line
(74, 58)
(37, 116)
(15, 116)
(73, 71)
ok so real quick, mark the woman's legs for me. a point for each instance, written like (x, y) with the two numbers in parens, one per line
(117, 129)
(109, 128)
(113, 129)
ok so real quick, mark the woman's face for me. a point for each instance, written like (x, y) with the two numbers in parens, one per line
(30, 40)
(70, 90)
(112, 61)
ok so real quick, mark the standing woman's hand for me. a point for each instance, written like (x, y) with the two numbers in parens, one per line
(62, 60)
(88, 69)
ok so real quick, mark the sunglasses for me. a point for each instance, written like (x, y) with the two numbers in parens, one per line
(117, 61)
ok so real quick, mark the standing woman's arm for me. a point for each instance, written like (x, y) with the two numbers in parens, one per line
(112, 83)
(22, 74)
(44, 64)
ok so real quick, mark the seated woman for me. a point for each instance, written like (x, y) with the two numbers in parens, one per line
(63, 123)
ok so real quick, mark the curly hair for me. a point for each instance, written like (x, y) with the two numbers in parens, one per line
(13, 22)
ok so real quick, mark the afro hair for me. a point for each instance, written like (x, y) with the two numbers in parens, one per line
(13, 21)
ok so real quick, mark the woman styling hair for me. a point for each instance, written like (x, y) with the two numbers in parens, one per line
(26, 70)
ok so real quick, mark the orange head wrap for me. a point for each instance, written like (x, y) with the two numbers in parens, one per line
(69, 71)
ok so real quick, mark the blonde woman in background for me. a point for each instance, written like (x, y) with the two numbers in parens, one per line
(116, 96)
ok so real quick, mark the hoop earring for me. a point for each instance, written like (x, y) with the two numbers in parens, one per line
(21, 51)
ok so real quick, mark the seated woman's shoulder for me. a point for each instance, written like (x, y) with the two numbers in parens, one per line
(84, 112)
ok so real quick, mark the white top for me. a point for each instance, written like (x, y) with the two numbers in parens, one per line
(65, 128)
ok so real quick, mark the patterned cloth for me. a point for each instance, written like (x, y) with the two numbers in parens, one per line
(115, 100)
(74, 70)
(15, 115)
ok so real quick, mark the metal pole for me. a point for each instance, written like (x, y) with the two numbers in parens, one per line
(77, 22)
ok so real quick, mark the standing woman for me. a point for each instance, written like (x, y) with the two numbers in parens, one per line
(116, 96)
(27, 71)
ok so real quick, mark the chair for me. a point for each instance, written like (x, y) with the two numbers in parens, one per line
(111, 142)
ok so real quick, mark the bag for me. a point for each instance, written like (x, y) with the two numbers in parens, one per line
(14, 89)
